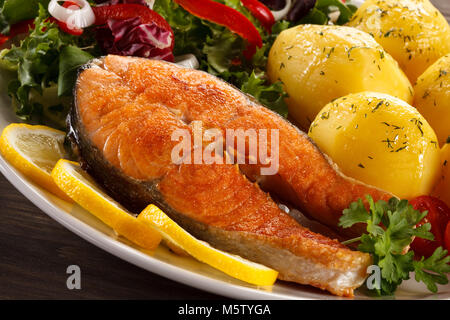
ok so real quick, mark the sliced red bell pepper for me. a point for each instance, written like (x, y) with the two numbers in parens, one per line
(260, 12)
(232, 19)
(127, 11)
(438, 216)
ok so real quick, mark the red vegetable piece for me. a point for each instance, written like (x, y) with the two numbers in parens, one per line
(260, 12)
(16, 29)
(232, 19)
(438, 216)
(128, 11)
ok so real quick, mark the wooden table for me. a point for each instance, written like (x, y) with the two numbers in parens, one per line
(35, 252)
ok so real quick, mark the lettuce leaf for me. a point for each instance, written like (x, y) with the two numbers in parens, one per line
(47, 56)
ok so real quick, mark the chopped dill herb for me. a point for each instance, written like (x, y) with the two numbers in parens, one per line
(387, 34)
(401, 148)
(379, 104)
(325, 115)
(330, 52)
(389, 143)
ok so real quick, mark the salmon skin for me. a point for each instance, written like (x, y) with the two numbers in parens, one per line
(125, 112)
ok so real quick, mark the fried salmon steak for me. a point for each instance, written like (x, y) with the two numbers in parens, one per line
(125, 112)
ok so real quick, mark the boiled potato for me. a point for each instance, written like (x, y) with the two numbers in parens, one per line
(380, 140)
(320, 63)
(432, 97)
(442, 190)
(414, 32)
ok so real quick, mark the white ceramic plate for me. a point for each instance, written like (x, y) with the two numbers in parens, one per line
(162, 261)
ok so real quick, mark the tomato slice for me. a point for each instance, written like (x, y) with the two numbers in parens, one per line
(438, 216)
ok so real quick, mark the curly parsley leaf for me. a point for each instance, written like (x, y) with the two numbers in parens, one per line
(390, 228)
(433, 270)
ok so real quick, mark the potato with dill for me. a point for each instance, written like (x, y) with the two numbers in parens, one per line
(442, 189)
(317, 64)
(432, 97)
(379, 140)
(414, 32)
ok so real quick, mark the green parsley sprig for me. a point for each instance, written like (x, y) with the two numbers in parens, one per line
(391, 227)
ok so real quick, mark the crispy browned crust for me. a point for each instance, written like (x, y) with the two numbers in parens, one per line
(125, 111)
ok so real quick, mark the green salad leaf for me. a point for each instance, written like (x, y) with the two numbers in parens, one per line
(319, 14)
(13, 11)
(70, 59)
(47, 56)
(390, 228)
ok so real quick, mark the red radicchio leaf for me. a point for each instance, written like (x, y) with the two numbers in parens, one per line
(130, 37)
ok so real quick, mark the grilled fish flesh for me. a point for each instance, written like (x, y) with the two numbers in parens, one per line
(125, 112)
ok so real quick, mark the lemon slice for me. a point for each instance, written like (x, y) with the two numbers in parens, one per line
(34, 151)
(230, 264)
(79, 186)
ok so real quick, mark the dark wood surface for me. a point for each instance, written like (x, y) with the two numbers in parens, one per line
(35, 252)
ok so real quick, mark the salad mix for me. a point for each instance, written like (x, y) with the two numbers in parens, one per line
(229, 38)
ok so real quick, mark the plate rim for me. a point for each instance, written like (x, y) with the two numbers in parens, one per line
(139, 258)
(145, 261)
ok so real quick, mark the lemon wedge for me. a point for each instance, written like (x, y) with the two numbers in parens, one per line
(79, 186)
(230, 264)
(34, 151)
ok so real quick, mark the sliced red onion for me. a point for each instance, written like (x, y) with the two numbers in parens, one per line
(75, 18)
(280, 14)
(187, 61)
